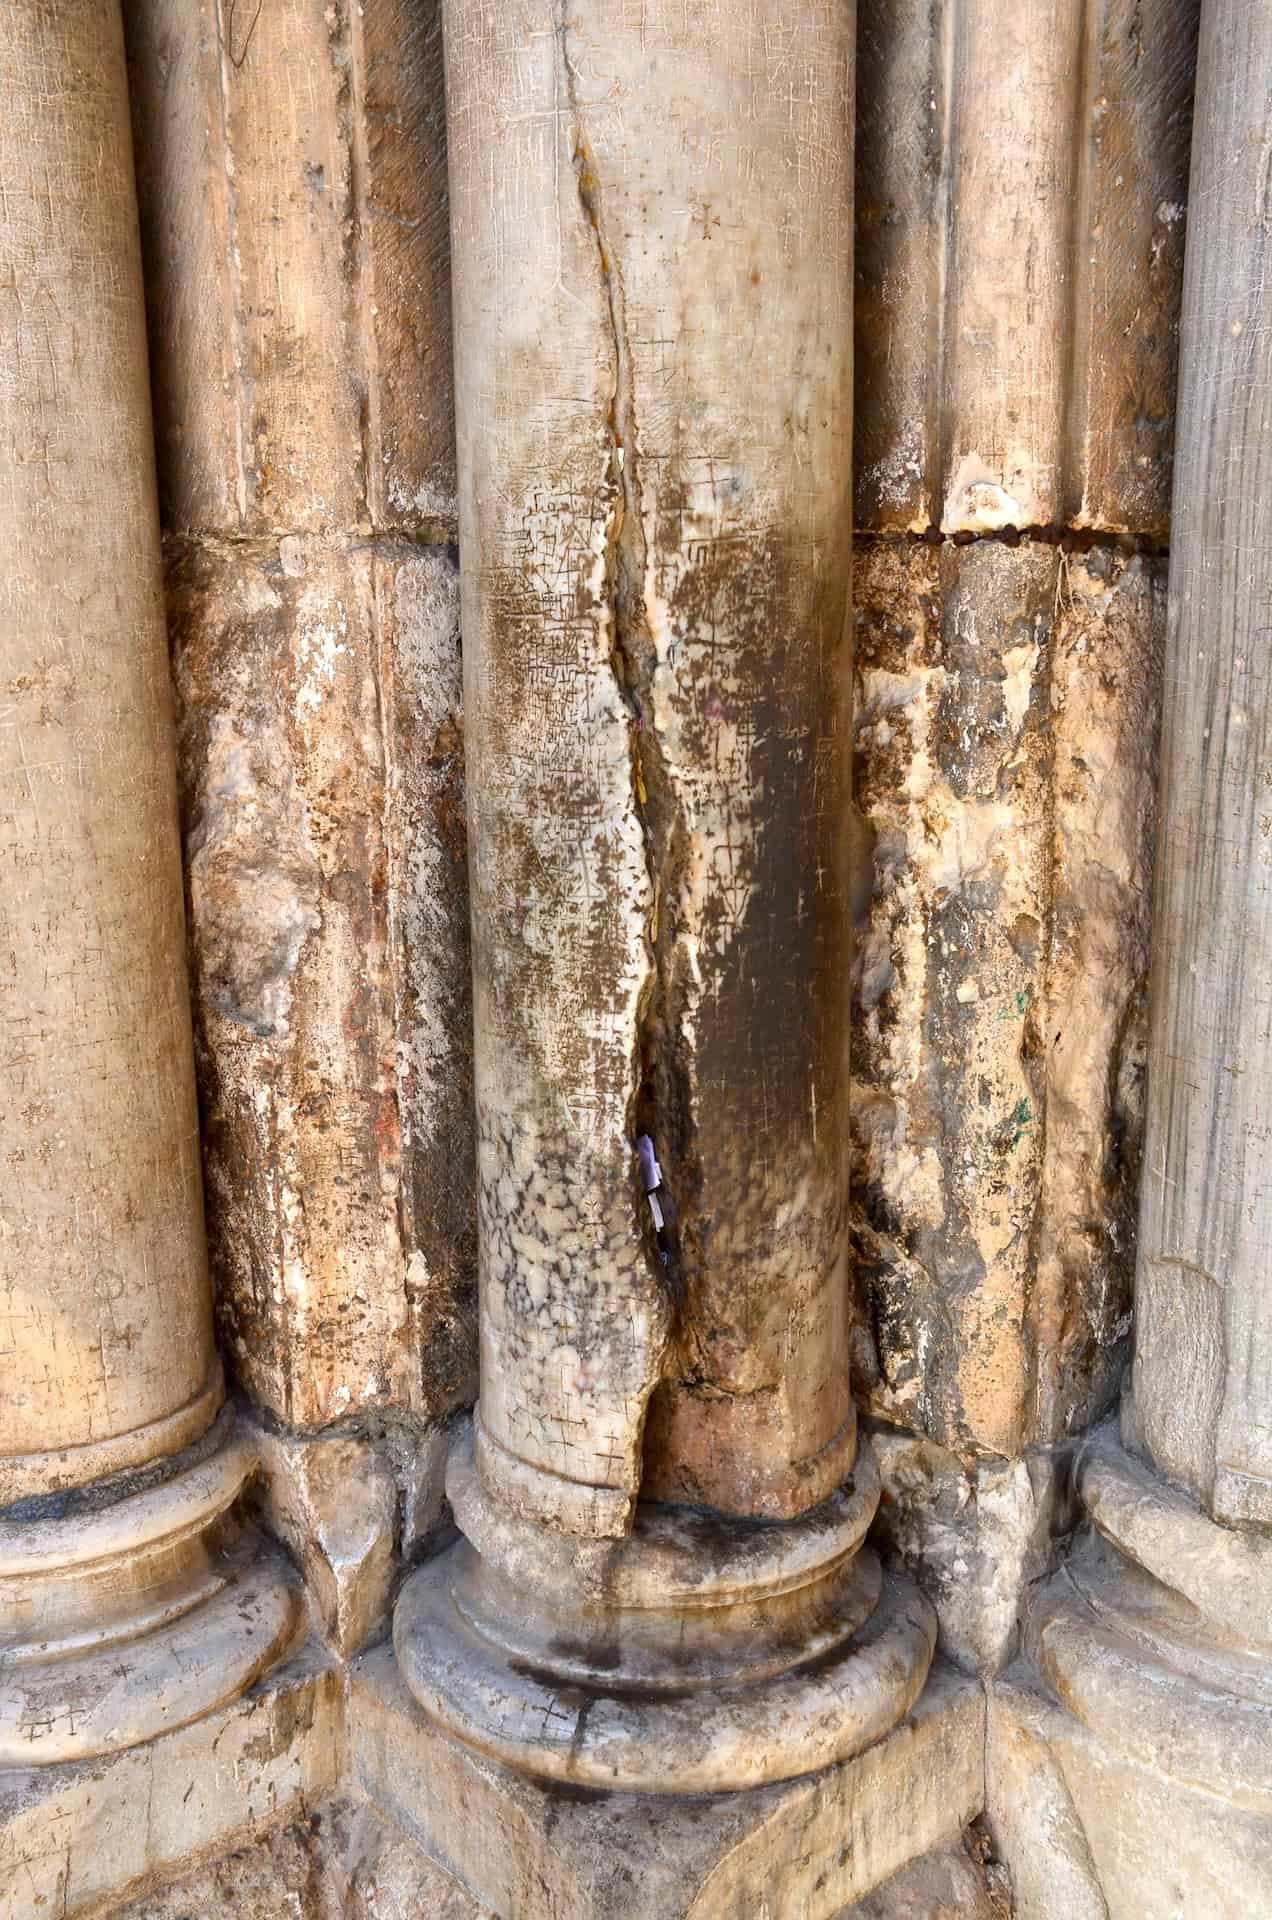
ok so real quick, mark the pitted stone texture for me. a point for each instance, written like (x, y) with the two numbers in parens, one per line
(975, 1538)
(657, 716)
(294, 219)
(320, 736)
(807, 1847)
(340, 1862)
(334, 1502)
(81, 1839)
(105, 1323)
(1006, 733)
(1019, 251)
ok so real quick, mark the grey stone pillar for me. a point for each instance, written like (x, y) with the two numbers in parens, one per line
(652, 259)
(1151, 1792)
(1202, 1401)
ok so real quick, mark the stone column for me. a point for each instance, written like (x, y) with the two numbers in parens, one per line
(1157, 1640)
(1020, 238)
(105, 1321)
(1020, 228)
(1202, 1382)
(652, 257)
(292, 185)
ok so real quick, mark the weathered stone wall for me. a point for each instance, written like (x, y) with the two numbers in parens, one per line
(293, 189)
(1017, 311)
(1015, 371)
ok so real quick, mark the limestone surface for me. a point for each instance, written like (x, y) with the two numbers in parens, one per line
(105, 1324)
(334, 1501)
(1203, 1358)
(293, 196)
(654, 430)
(1020, 236)
(341, 1861)
(1006, 730)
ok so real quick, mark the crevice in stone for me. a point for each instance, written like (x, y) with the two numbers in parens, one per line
(1067, 538)
(660, 1104)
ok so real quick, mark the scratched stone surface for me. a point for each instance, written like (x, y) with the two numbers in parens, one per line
(105, 1332)
(293, 196)
(653, 391)
(1203, 1360)
(1019, 251)
(1006, 735)
(340, 1861)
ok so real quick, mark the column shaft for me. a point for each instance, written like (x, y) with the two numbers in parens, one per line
(1203, 1359)
(652, 264)
(293, 199)
(105, 1327)
(1020, 240)
(134, 1606)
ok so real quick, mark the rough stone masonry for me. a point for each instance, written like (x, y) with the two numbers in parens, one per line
(631, 1174)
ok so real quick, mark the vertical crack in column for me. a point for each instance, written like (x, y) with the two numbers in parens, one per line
(660, 1104)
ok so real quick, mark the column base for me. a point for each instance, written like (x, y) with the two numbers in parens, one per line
(85, 1838)
(1140, 1728)
(527, 1847)
(122, 1618)
(696, 1656)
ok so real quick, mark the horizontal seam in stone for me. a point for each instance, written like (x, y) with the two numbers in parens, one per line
(433, 535)
(1052, 534)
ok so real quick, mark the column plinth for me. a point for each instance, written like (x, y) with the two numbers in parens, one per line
(693, 1656)
(123, 1618)
(130, 1600)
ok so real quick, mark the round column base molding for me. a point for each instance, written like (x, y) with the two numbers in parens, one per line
(125, 1618)
(1155, 1636)
(698, 1655)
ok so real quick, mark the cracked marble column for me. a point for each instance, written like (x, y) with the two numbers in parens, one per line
(660, 1587)
(117, 1479)
(1157, 1639)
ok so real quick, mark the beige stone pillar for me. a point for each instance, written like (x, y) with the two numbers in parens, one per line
(652, 252)
(109, 1366)
(654, 418)
(293, 209)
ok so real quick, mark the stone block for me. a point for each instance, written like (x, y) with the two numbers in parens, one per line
(945, 1885)
(806, 1847)
(1091, 1832)
(340, 1862)
(78, 1839)
(973, 1537)
(334, 1502)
